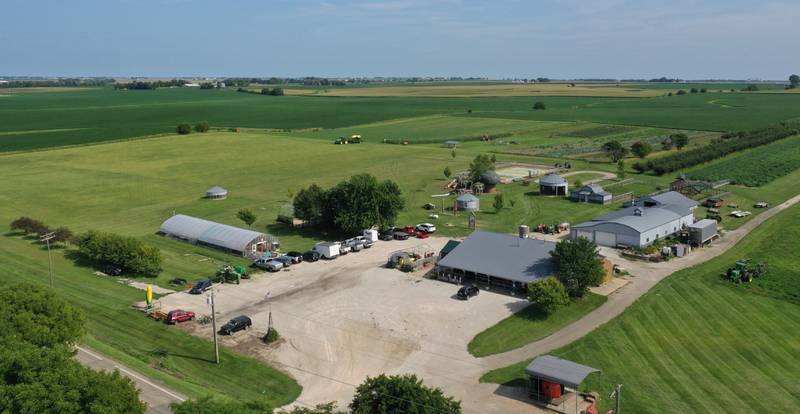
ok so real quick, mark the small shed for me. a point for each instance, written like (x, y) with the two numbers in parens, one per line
(702, 231)
(553, 184)
(452, 143)
(548, 376)
(591, 193)
(216, 193)
(468, 202)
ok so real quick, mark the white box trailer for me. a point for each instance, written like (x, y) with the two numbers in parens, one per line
(371, 235)
(328, 250)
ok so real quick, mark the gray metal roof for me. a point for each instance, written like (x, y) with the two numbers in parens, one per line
(703, 224)
(669, 206)
(593, 189)
(552, 179)
(673, 198)
(467, 197)
(216, 190)
(452, 142)
(562, 371)
(502, 255)
(199, 230)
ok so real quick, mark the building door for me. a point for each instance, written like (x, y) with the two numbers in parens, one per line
(586, 234)
(605, 239)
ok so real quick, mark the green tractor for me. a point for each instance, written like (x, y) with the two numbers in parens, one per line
(230, 274)
(743, 271)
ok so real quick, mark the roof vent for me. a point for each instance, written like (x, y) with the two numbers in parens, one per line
(638, 211)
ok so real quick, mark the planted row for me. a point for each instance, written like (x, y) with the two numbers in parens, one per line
(727, 144)
(756, 167)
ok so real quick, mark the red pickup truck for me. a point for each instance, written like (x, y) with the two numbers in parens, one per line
(178, 315)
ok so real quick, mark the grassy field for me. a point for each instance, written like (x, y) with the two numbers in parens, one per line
(184, 362)
(49, 119)
(530, 325)
(697, 343)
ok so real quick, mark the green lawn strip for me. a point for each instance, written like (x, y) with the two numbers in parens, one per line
(697, 343)
(530, 325)
(184, 362)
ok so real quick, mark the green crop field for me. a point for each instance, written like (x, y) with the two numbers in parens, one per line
(757, 166)
(697, 343)
(50, 119)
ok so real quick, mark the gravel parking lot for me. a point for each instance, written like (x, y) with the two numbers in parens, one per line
(349, 318)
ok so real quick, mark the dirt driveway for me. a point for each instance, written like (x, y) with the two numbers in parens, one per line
(345, 319)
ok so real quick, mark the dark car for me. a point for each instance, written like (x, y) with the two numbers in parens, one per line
(286, 260)
(235, 325)
(387, 235)
(467, 292)
(297, 257)
(400, 235)
(201, 286)
(311, 256)
(179, 315)
(112, 270)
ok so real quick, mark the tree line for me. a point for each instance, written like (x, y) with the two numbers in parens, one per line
(56, 83)
(127, 252)
(27, 225)
(352, 205)
(38, 373)
(728, 143)
(149, 85)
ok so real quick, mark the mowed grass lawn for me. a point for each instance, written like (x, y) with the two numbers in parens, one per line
(183, 362)
(530, 325)
(697, 343)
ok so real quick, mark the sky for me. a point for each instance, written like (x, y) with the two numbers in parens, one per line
(564, 39)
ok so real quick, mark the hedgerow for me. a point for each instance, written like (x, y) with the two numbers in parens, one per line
(727, 144)
(756, 167)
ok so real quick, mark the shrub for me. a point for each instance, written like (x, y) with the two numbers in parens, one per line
(183, 129)
(202, 126)
(539, 106)
(681, 92)
(271, 336)
(64, 235)
(29, 225)
(124, 251)
(548, 295)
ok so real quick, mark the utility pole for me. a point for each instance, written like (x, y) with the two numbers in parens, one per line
(46, 238)
(214, 325)
(269, 322)
(618, 394)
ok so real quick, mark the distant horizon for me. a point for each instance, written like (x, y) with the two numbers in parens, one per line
(568, 39)
(391, 78)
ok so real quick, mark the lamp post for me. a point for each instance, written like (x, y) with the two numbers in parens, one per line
(46, 238)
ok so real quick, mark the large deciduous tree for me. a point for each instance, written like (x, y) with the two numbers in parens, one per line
(480, 165)
(615, 150)
(401, 394)
(641, 149)
(578, 265)
(247, 216)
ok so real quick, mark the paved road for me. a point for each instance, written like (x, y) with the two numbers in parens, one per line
(157, 397)
(646, 275)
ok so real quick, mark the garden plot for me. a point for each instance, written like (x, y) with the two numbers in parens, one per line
(345, 319)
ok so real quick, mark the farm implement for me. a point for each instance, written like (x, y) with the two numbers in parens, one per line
(744, 272)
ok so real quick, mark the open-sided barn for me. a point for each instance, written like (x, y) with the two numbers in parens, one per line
(247, 243)
(497, 260)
